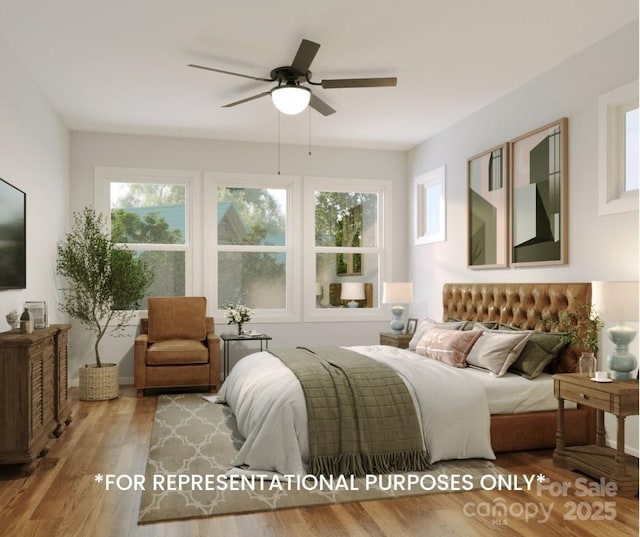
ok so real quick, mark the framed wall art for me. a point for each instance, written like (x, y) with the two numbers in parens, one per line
(539, 196)
(488, 205)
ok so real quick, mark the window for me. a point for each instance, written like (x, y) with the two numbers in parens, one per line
(149, 212)
(618, 151)
(345, 251)
(251, 242)
(430, 207)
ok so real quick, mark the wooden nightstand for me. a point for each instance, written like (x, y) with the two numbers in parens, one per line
(395, 340)
(619, 398)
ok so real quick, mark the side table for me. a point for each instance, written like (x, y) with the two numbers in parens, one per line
(228, 338)
(619, 398)
(395, 340)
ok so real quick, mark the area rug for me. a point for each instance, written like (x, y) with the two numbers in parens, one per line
(190, 456)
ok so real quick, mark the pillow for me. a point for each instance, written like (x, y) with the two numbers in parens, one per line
(448, 346)
(426, 324)
(541, 349)
(496, 351)
(473, 325)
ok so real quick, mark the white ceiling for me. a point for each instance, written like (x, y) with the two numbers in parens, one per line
(120, 65)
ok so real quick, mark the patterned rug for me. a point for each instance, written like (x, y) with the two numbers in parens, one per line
(192, 446)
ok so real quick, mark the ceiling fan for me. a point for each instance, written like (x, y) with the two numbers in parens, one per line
(289, 97)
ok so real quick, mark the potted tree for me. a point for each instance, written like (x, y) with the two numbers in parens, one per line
(103, 284)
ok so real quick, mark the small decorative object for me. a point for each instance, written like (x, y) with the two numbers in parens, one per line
(618, 302)
(38, 311)
(397, 293)
(13, 319)
(587, 364)
(26, 324)
(238, 314)
(352, 291)
(103, 285)
(412, 324)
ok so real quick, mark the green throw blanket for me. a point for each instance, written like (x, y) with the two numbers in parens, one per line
(362, 419)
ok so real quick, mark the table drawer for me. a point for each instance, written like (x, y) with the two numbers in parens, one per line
(582, 394)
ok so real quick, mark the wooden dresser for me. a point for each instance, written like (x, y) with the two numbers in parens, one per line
(34, 402)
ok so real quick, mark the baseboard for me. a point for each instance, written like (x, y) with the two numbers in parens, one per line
(628, 450)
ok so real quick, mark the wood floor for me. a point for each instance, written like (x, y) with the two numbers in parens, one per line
(61, 499)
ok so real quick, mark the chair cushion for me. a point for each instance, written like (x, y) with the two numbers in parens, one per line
(181, 317)
(176, 352)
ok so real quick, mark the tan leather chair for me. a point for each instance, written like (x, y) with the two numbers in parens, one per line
(177, 346)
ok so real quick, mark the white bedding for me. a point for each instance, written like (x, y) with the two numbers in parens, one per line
(268, 403)
(513, 394)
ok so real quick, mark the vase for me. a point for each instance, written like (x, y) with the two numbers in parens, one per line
(587, 364)
(239, 329)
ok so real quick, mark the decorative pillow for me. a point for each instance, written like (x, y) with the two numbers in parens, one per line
(541, 349)
(472, 325)
(426, 324)
(448, 346)
(496, 351)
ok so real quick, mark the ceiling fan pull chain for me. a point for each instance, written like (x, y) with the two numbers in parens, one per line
(279, 119)
(309, 116)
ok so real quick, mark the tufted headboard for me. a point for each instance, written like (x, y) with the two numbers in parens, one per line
(517, 304)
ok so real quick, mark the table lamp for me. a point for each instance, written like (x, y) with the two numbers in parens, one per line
(397, 293)
(617, 302)
(352, 291)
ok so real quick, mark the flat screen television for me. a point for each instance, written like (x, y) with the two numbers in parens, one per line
(13, 237)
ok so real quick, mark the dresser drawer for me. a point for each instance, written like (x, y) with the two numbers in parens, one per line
(582, 394)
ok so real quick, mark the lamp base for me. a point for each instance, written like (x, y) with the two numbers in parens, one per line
(397, 325)
(352, 304)
(621, 362)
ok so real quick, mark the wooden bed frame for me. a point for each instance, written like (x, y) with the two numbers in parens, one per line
(522, 305)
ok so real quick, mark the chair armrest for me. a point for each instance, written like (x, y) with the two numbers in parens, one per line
(139, 363)
(213, 344)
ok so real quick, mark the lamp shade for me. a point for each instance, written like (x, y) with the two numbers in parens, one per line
(397, 292)
(290, 99)
(616, 301)
(352, 291)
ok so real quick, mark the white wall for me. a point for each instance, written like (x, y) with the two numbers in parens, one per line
(600, 248)
(34, 149)
(89, 150)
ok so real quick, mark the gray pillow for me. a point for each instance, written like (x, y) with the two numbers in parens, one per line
(496, 351)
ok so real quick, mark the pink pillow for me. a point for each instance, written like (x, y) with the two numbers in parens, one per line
(448, 346)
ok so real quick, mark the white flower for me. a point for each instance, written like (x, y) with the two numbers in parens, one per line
(238, 314)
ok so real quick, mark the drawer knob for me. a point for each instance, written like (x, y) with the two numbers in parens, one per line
(584, 396)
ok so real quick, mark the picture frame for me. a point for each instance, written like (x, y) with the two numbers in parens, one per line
(412, 324)
(488, 208)
(430, 211)
(539, 170)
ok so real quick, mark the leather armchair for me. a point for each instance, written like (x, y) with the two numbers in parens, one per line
(177, 346)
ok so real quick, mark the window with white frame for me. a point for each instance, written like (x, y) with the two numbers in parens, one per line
(618, 180)
(345, 252)
(149, 213)
(250, 238)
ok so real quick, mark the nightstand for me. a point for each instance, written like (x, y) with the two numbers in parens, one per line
(619, 398)
(395, 340)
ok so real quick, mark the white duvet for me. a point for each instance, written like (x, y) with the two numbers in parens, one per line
(268, 403)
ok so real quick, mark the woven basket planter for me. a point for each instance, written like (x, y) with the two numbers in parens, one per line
(99, 383)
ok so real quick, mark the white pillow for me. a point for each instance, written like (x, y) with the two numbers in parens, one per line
(497, 351)
(426, 324)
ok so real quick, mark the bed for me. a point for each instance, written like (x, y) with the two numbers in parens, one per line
(463, 413)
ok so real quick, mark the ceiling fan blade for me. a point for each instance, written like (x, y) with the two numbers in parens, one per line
(359, 82)
(231, 73)
(306, 52)
(263, 94)
(320, 106)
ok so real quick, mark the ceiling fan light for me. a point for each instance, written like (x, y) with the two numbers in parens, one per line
(290, 100)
